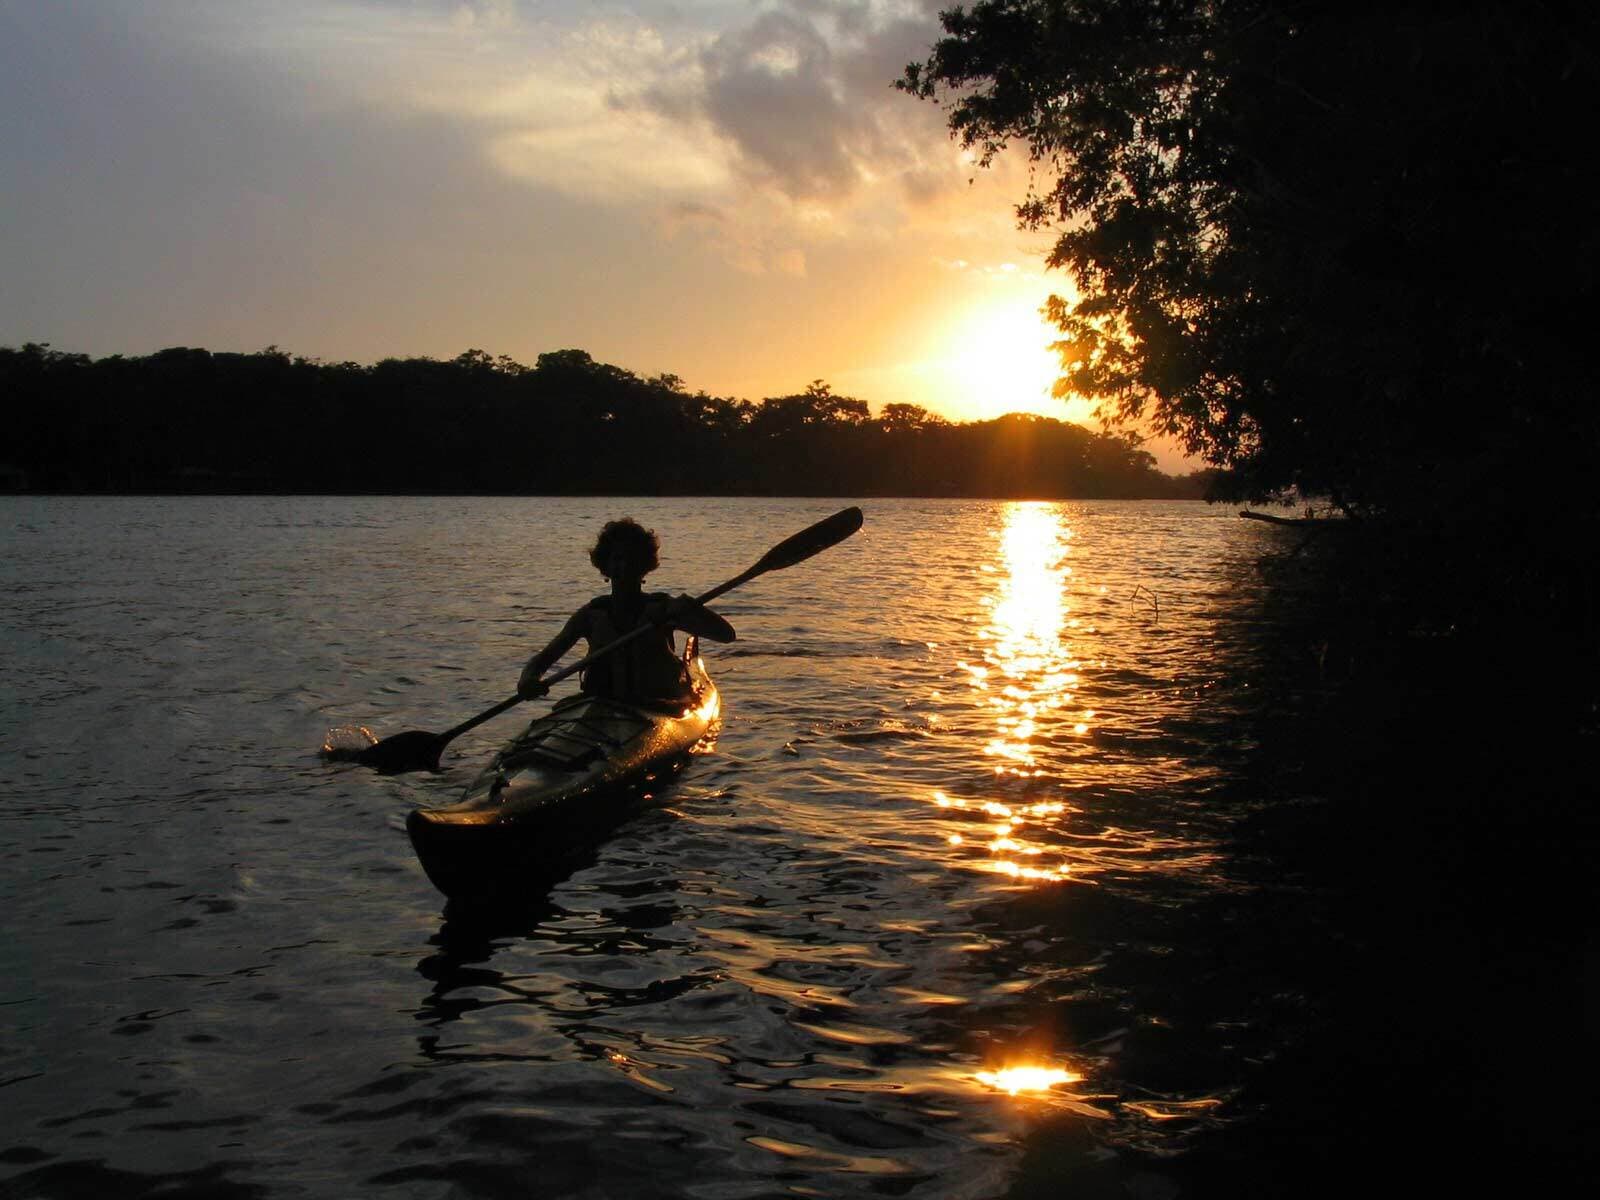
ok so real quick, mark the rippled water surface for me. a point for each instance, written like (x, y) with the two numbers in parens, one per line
(958, 805)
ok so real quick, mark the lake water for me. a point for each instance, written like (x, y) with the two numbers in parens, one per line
(967, 794)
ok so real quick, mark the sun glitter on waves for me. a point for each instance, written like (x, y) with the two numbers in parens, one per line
(1025, 636)
(1024, 684)
(1016, 1080)
(1023, 688)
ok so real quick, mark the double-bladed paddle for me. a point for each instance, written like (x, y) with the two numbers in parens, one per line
(417, 750)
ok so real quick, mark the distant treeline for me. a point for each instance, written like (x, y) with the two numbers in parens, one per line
(187, 420)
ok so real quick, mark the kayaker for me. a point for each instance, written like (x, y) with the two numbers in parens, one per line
(648, 667)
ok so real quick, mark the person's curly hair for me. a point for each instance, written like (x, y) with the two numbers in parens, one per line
(641, 544)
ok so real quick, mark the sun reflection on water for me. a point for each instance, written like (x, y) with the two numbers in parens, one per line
(1025, 684)
(1025, 646)
(1015, 1080)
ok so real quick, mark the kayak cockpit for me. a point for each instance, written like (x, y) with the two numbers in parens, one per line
(559, 787)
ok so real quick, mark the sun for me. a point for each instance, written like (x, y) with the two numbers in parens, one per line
(999, 361)
(985, 355)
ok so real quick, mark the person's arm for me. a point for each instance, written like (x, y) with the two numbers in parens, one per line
(689, 615)
(529, 685)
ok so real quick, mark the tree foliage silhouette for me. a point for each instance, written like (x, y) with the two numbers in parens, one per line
(185, 420)
(1337, 247)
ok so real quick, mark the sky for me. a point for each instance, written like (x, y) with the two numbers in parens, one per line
(730, 191)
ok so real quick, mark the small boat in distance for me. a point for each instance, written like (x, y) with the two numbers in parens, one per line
(560, 788)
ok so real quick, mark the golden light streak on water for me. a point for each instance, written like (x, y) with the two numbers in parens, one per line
(1041, 874)
(1016, 1080)
(1024, 687)
(1025, 635)
(1024, 684)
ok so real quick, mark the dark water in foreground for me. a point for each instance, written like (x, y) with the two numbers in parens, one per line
(970, 812)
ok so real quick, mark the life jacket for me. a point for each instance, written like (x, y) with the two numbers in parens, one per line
(647, 668)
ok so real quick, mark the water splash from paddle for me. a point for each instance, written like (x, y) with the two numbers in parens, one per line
(347, 741)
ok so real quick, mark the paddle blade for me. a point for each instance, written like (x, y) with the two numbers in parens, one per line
(414, 750)
(807, 542)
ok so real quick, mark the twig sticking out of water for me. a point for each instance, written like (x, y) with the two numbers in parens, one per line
(1139, 587)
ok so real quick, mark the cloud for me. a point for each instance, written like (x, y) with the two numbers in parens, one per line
(797, 104)
(727, 190)
(772, 90)
(749, 236)
(803, 94)
(783, 116)
(431, 171)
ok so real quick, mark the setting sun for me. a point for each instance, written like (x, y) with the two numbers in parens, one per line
(1002, 362)
(991, 355)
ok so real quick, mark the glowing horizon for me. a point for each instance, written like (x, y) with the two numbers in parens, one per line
(735, 196)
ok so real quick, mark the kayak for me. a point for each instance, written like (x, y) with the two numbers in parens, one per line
(559, 788)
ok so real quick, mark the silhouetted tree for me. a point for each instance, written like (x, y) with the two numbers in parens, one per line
(911, 418)
(1340, 247)
(186, 420)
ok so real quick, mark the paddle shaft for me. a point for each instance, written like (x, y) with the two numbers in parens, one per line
(795, 549)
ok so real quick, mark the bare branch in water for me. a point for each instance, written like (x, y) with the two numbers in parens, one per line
(1139, 587)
